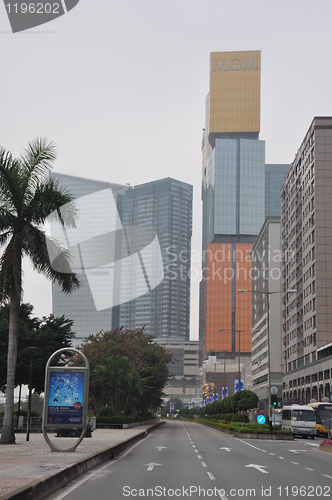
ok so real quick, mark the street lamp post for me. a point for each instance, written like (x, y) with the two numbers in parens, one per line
(268, 293)
(31, 351)
(239, 354)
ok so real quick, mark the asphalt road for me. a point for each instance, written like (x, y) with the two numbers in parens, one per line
(188, 460)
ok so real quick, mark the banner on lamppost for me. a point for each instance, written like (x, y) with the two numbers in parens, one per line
(236, 386)
(226, 392)
(222, 393)
(216, 396)
(242, 385)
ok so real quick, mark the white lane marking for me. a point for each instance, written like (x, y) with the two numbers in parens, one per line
(211, 476)
(196, 451)
(150, 466)
(326, 475)
(223, 497)
(199, 456)
(89, 476)
(297, 451)
(311, 444)
(248, 444)
(308, 468)
(228, 449)
(258, 467)
(204, 464)
(159, 448)
(294, 463)
(281, 458)
(272, 454)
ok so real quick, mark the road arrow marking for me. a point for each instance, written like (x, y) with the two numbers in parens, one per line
(159, 448)
(228, 449)
(258, 467)
(150, 466)
(296, 451)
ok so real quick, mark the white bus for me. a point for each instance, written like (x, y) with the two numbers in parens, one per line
(300, 419)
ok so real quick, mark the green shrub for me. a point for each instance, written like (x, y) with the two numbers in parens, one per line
(240, 418)
(106, 411)
(229, 417)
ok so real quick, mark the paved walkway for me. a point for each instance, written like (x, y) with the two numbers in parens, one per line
(26, 463)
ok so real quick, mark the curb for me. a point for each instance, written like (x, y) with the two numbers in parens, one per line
(39, 489)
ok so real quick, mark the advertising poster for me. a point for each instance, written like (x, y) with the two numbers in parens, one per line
(66, 398)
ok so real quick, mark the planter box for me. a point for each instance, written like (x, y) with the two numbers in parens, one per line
(247, 435)
(325, 447)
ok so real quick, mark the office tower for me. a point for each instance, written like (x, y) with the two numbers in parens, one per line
(141, 238)
(266, 285)
(306, 225)
(166, 206)
(80, 305)
(233, 195)
(274, 177)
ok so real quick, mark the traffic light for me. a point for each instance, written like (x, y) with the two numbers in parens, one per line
(274, 400)
(183, 390)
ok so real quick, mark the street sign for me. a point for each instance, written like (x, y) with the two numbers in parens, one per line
(274, 391)
(261, 419)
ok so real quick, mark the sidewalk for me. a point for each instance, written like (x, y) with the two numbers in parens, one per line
(29, 470)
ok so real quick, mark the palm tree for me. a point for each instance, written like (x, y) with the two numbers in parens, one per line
(27, 197)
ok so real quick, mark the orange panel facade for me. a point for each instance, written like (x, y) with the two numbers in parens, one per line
(228, 269)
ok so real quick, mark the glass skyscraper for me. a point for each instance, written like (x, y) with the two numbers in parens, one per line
(132, 256)
(275, 175)
(238, 192)
(233, 195)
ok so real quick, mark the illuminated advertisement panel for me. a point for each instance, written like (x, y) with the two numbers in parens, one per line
(65, 397)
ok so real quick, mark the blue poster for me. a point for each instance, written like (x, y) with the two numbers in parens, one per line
(65, 400)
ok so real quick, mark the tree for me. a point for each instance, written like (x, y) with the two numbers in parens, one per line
(27, 197)
(128, 370)
(245, 400)
(49, 332)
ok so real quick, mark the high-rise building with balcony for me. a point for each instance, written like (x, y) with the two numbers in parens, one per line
(306, 232)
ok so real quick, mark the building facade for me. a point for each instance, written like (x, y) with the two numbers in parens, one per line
(233, 196)
(166, 207)
(132, 256)
(266, 291)
(306, 225)
(274, 177)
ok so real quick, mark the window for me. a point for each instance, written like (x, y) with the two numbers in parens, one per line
(314, 304)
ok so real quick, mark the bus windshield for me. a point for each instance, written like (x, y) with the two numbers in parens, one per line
(304, 415)
(324, 412)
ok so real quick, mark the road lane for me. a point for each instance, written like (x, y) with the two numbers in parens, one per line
(188, 460)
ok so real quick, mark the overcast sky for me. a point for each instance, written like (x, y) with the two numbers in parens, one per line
(120, 88)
